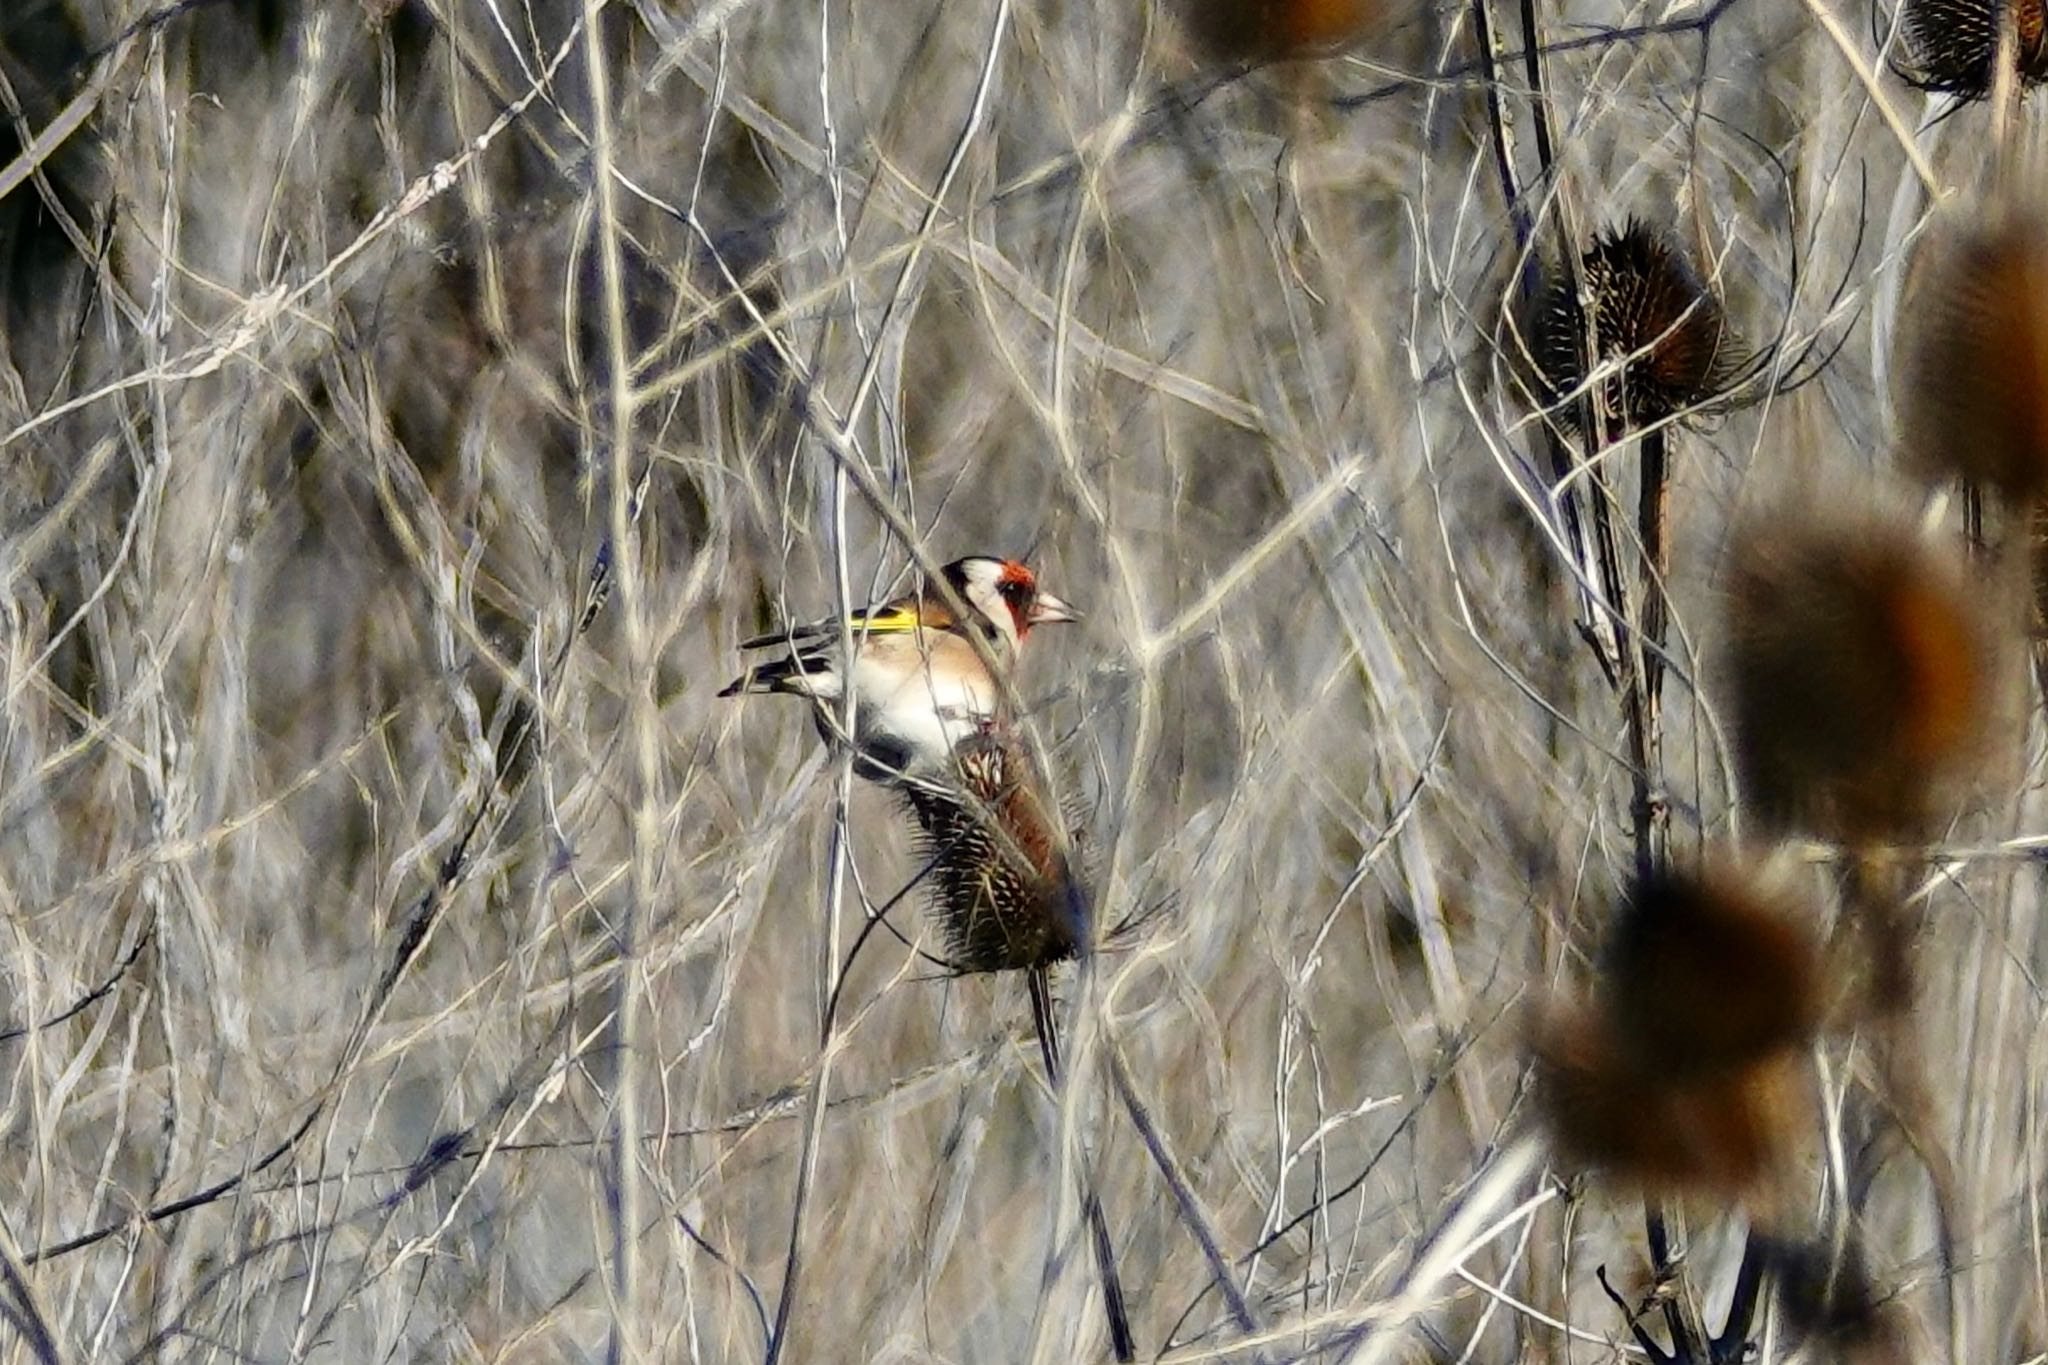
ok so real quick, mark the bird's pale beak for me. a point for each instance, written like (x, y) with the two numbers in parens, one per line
(1048, 609)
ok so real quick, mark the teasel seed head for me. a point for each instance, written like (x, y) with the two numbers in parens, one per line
(1726, 1136)
(1004, 887)
(1683, 1072)
(1952, 45)
(1973, 368)
(1277, 30)
(1707, 974)
(1659, 329)
(1860, 674)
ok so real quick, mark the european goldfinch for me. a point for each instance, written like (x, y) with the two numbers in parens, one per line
(920, 684)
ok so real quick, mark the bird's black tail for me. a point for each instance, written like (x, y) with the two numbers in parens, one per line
(1047, 1023)
(768, 677)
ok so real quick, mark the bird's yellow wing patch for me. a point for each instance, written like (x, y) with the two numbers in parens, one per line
(894, 619)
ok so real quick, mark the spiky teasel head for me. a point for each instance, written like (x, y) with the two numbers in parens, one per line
(1657, 331)
(1952, 45)
(1003, 886)
(1973, 367)
(1277, 30)
(1860, 671)
(1682, 1073)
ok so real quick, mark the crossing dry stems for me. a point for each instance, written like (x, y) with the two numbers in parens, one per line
(401, 959)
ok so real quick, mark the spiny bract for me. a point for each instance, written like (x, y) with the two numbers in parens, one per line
(1655, 325)
(1003, 889)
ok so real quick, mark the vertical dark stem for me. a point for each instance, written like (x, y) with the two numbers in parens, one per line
(1627, 672)
(1047, 1023)
(1532, 68)
(1637, 671)
(1562, 460)
(1628, 664)
(1730, 1344)
(1496, 122)
(2037, 563)
(1652, 508)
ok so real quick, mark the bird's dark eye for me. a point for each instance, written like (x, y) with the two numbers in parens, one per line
(1014, 591)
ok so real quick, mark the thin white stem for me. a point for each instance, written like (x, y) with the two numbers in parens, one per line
(623, 1168)
(1464, 1232)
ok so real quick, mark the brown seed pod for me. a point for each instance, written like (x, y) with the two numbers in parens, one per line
(1860, 672)
(1277, 30)
(1951, 45)
(1973, 367)
(1655, 324)
(1002, 887)
(1681, 1073)
(1706, 975)
(1724, 1135)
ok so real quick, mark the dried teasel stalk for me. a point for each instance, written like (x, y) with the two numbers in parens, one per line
(1973, 363)
(1008, 897)
(1860, 670)
(1721, 1136)
(1683, 1073)
(1951, 46)
(1657, 329)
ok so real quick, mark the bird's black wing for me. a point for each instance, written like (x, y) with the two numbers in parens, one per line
(895, 618)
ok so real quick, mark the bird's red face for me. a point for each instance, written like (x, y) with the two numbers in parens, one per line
(1018, 588)
(1006, 595)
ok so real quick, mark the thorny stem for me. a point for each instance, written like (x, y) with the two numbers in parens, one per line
(1685, 1331)
(1527, 277)
(1653, 507)
(1733, 1339)
(1503, 150)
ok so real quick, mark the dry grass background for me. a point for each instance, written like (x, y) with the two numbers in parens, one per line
(340, 337)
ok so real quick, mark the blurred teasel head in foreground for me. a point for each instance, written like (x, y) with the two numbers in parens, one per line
(1707, 973)
(1860, 671)
(1682, 1072)
(1951, 46)
(1279, 30)
(1659, 334)
(1973, 366)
